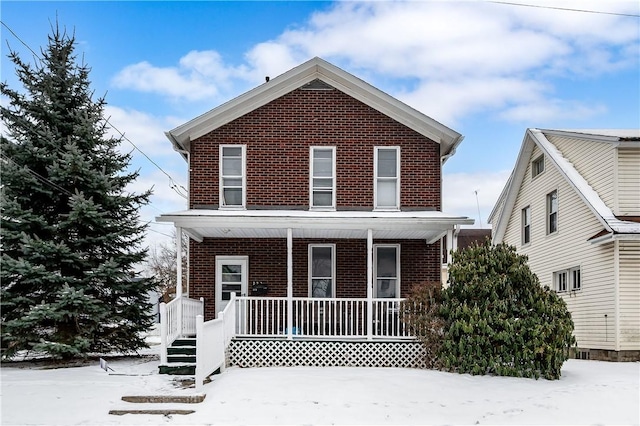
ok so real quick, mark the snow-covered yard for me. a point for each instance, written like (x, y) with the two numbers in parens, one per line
(589, 392)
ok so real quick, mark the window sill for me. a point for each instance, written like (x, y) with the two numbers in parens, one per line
(232, 208)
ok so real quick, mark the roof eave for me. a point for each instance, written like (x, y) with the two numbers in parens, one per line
(305, 73)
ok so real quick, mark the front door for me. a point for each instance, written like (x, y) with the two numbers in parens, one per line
(231, 277)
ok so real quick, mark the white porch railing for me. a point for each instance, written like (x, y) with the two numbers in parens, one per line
(177, 319)
(212, 339)
(315, 317)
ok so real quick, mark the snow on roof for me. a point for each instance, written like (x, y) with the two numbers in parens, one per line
(586, 192)
(591, 198)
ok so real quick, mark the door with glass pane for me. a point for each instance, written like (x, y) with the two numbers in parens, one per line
(321, 270)
(231, 277)
(387, 271)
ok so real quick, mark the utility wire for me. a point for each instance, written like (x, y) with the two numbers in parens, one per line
(20, 40)
(39, 176)
(173, 185)
(565, 9)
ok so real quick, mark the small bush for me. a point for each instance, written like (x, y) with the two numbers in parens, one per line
(499, 320)
(420, 311)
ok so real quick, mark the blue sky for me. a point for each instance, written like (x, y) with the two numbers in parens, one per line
(485, 69)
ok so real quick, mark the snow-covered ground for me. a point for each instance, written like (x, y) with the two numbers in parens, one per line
(589, 392)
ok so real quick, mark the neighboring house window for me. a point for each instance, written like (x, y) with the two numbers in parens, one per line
(387, 271)
(537, 166)
(552, 212)
(576, 280)
(323, 177)
(568, 279)
(526, 225)
(322, 270)
(560, 280)
(387, 178)
(232, 176)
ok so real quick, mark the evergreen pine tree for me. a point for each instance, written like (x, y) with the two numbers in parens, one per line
(70, 231)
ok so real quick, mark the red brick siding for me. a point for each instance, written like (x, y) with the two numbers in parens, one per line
(268, 263)
(278, 136)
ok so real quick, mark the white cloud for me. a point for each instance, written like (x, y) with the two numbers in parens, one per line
(459, 193)
(454, 58)
(144, 130)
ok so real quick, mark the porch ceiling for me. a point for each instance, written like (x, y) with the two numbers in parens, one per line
(426, 225)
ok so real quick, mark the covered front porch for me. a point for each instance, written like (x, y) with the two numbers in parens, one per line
(308, 297)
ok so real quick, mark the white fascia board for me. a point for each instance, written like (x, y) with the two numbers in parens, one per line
(595, 135)
(311, 220)
(588, 195)
(513, 187)
(301, 75)
(608, 238)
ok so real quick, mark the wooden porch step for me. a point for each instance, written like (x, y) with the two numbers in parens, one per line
(184, 341)
(181, 358)
(178, 369)
(181, 350)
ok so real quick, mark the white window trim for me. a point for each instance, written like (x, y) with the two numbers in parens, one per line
(523, 225)
(544, 166)
(332, 207)
(375, 268)
(244, 178)
(570, 280)
(548, 212)
(375, 179)
(333, 268)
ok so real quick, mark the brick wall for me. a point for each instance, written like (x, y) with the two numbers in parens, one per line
(279, 134)
(268, 263)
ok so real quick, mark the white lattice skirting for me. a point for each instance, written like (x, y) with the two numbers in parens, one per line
(288, 353)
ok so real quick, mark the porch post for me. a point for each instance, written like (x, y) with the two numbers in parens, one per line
(289, 284)
(369, 284)
(178, 261)
(179, 278)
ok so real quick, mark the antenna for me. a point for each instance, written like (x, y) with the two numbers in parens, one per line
(478, 204)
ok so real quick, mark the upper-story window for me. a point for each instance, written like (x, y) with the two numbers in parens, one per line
(526, 225)
(322, 180)
(386, 178)
(552, 212)
(537, 166)
(233, 182)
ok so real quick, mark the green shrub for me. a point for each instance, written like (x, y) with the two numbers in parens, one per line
(499, 320)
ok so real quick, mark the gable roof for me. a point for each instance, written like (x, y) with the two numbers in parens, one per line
(502, 211)
(315, 69)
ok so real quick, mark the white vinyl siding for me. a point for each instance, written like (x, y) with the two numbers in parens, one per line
(386, 182)
(322, 178)
(628, 181)
(595, 161)
(566, 249)
(629, 257)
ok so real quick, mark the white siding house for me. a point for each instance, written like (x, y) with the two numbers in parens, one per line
(572, 205)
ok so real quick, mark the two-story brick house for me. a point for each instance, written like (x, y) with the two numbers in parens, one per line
(316, 198)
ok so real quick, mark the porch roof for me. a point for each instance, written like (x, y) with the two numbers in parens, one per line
(427, 225)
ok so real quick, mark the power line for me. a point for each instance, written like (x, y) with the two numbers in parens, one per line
(565, 9)
(39, 176)
(173, 184)
(20, 40)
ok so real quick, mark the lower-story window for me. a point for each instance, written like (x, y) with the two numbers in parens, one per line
(567, 280)
(322, 270)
